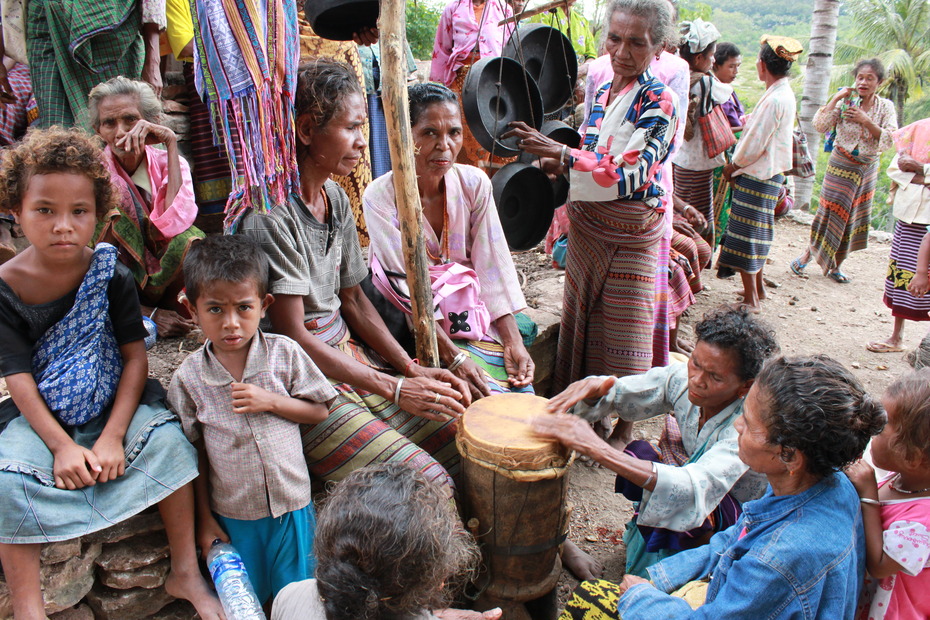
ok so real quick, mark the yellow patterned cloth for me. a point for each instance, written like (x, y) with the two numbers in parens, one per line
(598, 600)
(312, 47)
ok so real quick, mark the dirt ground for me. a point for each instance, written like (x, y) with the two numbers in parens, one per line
(811, 315)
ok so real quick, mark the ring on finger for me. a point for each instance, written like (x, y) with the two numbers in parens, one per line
(436, 399)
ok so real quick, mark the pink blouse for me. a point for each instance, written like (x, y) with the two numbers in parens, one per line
(459, 33)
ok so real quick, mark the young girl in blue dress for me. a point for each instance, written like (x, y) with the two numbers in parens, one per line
(85, 439)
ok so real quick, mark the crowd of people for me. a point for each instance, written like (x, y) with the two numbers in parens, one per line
(761, 496)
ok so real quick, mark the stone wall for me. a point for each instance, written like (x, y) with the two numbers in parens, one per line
(115, 574)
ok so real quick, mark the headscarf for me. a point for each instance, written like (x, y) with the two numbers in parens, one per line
(914, 139)
(698, 35)
(785, 48)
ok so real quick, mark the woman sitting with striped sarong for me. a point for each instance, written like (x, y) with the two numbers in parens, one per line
(756, 174)
(861, 123)
(457, 202)
(615, 209)
(390, 408)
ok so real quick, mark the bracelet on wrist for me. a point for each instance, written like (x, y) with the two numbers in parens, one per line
(869, 501)
(400, 382)
(458, 361)
(407, 367)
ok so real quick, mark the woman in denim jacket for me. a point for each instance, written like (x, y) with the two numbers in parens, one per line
(799, 551)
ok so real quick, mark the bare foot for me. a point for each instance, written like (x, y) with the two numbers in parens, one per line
(194, 589)
(621, 436)
(681, 345)
(753, 308)
(583, 566)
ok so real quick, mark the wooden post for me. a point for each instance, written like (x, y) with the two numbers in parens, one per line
(400, 140)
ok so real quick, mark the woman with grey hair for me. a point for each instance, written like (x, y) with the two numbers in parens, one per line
(616, 222)
(153, 223)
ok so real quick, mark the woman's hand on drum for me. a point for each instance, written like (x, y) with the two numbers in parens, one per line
(431, 399)
(532, 142)
(471, 374)
(519, 365)
(443, 376)
(569, 430)
(592, 388)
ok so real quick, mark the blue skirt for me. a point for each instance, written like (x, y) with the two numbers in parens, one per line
(159, 461)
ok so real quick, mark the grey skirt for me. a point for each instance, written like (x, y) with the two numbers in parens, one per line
(159, 460)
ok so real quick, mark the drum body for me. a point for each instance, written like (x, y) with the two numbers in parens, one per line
(514, 491)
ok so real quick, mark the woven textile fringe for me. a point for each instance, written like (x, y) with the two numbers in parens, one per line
(246, 57)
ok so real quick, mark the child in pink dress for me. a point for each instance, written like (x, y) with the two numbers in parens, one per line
(896, 510)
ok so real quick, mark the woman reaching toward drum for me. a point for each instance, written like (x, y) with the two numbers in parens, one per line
(615, 219)
(799, 551)
(696, 484)
(460, 226)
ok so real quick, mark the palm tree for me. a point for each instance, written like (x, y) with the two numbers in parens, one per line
(898, 33)
(816, 83)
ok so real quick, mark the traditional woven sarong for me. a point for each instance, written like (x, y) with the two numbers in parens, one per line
(841, 224)
(13, 118)
(210, 170)
(609, 303)
(354, 184)
(246, 73)
(154, 261)
(662, 316)
(698, 254)
(73, 46)
(364, 428)
(489, 356)
(751, 226)
(696, 188)
(901, 267)
(647, 545)
(599, 600)
(680, 297)
(77, 363)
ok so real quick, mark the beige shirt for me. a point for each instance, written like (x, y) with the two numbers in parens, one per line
(256, 460)
(765, 148)
(911, 201)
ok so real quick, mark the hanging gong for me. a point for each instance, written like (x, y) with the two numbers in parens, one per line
(338, 20)
(496, 92)
(523, 195)
(563, 134)
(549, 57)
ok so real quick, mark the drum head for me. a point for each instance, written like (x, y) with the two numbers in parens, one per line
(338, 20)
(496, 432)
(496, 92)
(548, 56)
(525, 204)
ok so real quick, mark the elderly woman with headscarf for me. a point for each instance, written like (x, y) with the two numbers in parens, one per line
(906, 283)
(756, 174)
(615, 208)
(694, 170)
(153, 225)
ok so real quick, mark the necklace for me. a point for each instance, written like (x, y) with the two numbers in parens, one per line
(444, 243)
(900, 490)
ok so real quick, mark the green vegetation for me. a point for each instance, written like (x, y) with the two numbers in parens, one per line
(422, 21)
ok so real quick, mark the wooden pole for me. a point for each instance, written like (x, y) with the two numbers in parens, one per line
(392, 26)
(540, 9)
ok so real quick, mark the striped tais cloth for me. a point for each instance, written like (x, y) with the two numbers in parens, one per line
(698, 254)
(696, 188)
(364, 428)
(662, 317)
(680, 297)
(608, 314)
(901, 268)
(246, 73)
(841, 224)
(489, 356)
(751, 225)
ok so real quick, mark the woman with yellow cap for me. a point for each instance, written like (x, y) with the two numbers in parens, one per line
(756, 172)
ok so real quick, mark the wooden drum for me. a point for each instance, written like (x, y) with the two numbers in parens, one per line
(513, 491)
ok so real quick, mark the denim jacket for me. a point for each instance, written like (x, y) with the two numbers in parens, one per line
(801, 556)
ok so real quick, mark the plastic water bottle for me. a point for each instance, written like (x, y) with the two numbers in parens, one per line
(232, 583)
